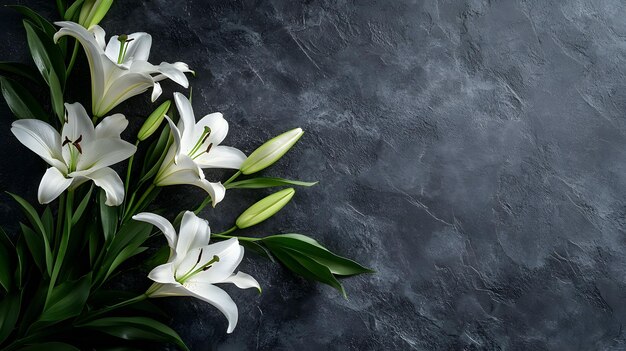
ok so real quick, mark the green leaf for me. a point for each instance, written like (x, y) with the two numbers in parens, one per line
(108, 217)
(50, 346)
(22, 70)
(73, 11)
(259, 183)
(35, 221)
(48, 222)
(67, 300)
(78, 213)
(39, 21)
(308, 247)
(136, 328)
(155, 156)
(307, 267)
(6, 261)
(35, 246)
(49, 60)
(21, 101)
(9, 312)
(22, 262)
(125, 254)
(125, 242)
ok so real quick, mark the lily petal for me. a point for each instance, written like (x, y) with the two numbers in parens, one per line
(187, 121)
(243, 281)
(218, 298)
(111, 126)
(52, 185)
(163, 274)
(186, 171)
(123, 88)
(194, 233)
(221, 157)
(138, 48)
(99, 35)
(176, 146)
(41, 139)
(160, 222)
(230, 254)
(174, 73)
(156, 91)
(103, 153)
(166, 290)
(110, 181)
(218, 125)
(99, 64)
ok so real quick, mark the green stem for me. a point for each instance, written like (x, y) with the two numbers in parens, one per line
(70, 65)
(242, 238)
(203, 205)
(111, 308)
(140, 202)
(227, 231)
(232, 178)
(60, 217)
(65, 239)
(128, 171)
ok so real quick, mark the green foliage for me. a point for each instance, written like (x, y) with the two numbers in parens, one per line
(21, 101)
(67, 300)
(259, 183)
(308, 258)
(49, 60)
(136, 328)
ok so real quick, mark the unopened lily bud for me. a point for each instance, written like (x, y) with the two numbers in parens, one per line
(93, 11)
(154, 121)
(270, 152)
(265, 208)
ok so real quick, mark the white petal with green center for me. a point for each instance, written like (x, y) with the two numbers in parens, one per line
(52, 185)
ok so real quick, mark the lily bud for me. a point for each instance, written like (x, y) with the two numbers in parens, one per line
(270, 152)
(93, 11)
(265, 208)
(154, 121)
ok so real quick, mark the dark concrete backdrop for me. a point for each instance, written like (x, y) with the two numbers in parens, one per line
(472, 152)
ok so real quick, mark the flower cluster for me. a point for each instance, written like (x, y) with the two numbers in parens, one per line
(63, 265)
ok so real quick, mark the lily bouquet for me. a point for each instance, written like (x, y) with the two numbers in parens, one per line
(91, 224)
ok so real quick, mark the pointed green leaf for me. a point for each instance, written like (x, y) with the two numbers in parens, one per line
(108, 217)
(6, 261)
(49, 60)
(20, 69)
(78, 213)
(9, 312)
(21, 101)
(259, 183)
(36, 223)
(67, 300)
(136, 328)
(308, 247)
(37, 19)
(307, 267)
(73, 11)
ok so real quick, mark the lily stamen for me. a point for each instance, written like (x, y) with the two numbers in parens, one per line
(205, 135)
(123, 39)
(204, 267)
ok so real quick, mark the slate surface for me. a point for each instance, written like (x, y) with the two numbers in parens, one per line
(472, 152)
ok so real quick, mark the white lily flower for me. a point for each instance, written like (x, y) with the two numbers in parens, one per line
(194, 266)
(120, 69)
(80, 153)
(197, 146)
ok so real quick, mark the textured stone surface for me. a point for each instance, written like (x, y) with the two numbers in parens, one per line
(472, 152)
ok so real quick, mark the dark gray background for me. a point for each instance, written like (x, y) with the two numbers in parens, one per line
(472, 152)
